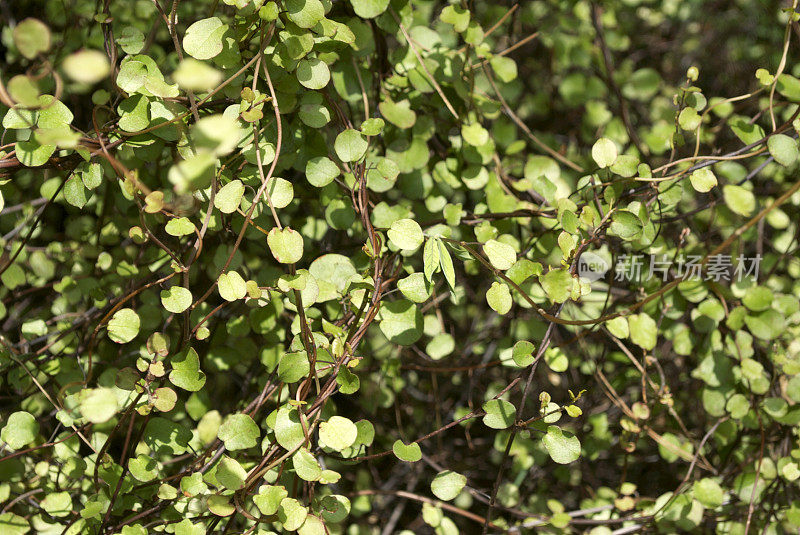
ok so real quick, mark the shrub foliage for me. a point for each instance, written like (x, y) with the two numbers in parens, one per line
(376, 266)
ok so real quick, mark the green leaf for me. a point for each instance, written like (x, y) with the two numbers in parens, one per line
(196, 76)
(176, 299)
(350, 145)
(20, 430)
(703, 180)
(134, 113)
(57, 504)
(689, 119)
(293, 367)
(54, 114)
(644, 331)
(24, 90)
(87, 66)
(500, 414)
(75, 192)
(475, 134)
(304, 13)
(230, 473)
(372, 127)
(11, 524)
(164, 399)
(166, 437)
(231, 286)
(186, 373)
(131, 40)
(499, 298)
(407, 452)
(708, 492)
(501, 255)
(179, 226)
(563, 447)
(369, 9)
(789, 87)
(31, 37)
(440, 346)
(91, 174)
(447, 485)
(557, 284)
(415, 288)
(401, 322)
(766, 325)
(280, 191)
(321, 171)
(783, 148)
(239, 432)
(504, 67)
(291, 514)
(306, 466)
(219, 134)
(739, 199)
(457, 16)
(288, 429)
(446, 263)
(123, 326)
(32, 153)
(522, 353)
(604, 152)
(746, 131)
(98, 405)
(286, 245)
(406, 234)
(338, 433)
(758, 298)
(399, 113)
(430, 258)
(625, 224)
(203, 39)
(269, 498)
(313, 73)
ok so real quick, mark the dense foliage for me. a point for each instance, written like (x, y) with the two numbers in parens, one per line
(377, 266)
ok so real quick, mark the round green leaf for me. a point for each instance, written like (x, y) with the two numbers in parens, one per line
(406, 234)
(338, 433)
(239, 432)
(447, 485)
(350, 145)
(87, 66)
(31, 37)
(500, 414)
(286, 245)
(20, 430)
(203, 39)
(604, 152)
(231, 286)
(703, 179)
(739, 199)
(230, 473)
(407, 452)
(501, 255)
(499, 298)
(313, 73)
(783, 148)
(98, 405)
(401, 322)
(563, 447)
(123, 326)
(176, 299)
(321, 171)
